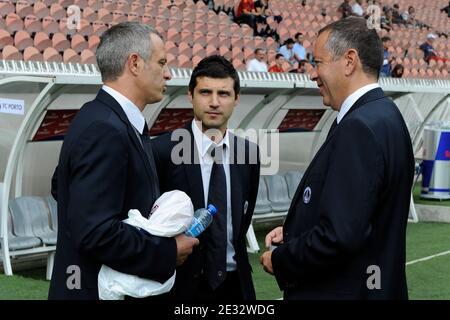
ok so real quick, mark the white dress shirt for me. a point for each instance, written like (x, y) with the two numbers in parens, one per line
(351, 99)
(256, 65)
(205, 144)
(132, 112)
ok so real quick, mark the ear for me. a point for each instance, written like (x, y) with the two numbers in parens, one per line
(237, 100)
(190, 96)
(133, 62)
(351, 61)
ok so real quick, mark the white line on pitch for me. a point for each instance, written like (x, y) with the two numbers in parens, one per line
(429, 257)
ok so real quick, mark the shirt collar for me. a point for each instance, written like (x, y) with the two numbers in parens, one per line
(132, 112)
(204, 144)
(351, 99)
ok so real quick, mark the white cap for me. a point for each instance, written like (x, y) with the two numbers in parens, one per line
(431, 36)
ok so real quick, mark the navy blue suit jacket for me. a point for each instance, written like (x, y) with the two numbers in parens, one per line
(102, 173)
(350, 210)
(187, 177)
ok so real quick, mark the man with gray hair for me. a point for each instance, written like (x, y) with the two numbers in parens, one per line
(106, 167)
(344, 235)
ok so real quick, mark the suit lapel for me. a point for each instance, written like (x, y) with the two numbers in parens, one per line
(373, 94)
(193, 171)
(235, 189)
(109, 101)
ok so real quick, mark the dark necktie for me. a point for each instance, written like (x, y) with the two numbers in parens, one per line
(146, 144)
(216, 253)
(332, 128)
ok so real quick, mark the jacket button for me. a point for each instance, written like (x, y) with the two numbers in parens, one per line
(220, 273)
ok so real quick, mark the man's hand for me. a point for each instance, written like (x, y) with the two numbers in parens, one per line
(266, 261)
(184, 247)
(275, 236)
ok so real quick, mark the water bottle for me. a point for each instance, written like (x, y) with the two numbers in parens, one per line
(202, 219)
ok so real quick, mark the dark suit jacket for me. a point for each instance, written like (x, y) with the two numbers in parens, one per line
(187, 177)
(102, 173)
(356, 212)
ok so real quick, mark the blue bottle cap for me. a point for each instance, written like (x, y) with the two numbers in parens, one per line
(212, 209)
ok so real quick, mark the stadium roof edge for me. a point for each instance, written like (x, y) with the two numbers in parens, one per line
(89, 74)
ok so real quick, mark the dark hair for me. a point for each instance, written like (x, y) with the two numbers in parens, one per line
(385, 39)
(216, 67)
(298, 34)
(289, 41)
(258, 49)
(278, 55)
(395, 70)
(353, 33)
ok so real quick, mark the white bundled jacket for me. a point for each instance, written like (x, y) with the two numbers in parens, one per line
(172, 214)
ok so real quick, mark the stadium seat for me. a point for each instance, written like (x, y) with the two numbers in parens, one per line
(137, 7)
(94, 4)
(171, 48)
(293, 179)
(104, 15)
(224, 40)
(22, 40)
(51, 55)
(123, 6)
(42, 41)
(32, 54)
(196, 60)
(89, 14)
(40, 10)
(198, 50)
(278, 194)
(70, 56)
(13, 22)
(184, 48)
(78, 43)
(23, 8)
(237, 54)
(5, 39)
(173, 35)
(184, 61)
(199, 38)
(6, 7)
(98, 27)
(60, 42)
(118, 16)
(10, 52)
(32, 215)
(238, 64)
(88, 57)
(20, 242)
(49, 25)
(262, 201)
(57, 11)
(133, 17)
(109, 5)
(211, 50)
(93, 42)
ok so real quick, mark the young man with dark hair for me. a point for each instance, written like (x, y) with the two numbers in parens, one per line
(278, 66)
(213, 166)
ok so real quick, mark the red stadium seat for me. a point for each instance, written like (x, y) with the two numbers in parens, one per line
(78, 43)
(10, 52)
(137, 7)
(42, 41)
(93, 42)
(184, 61)
(13, 22)
(32, 24)
(185, 49)
(119, 16)
(89, 14)
(88, 57)
(40, 10)
(5, 39)
(98, 27)
(57, 11)
(6, 7)
(51, 55)
(32, 54)
(22, 40)
(225, 51)
(60, 42)
(70, 56)
(23, 8)
(171, 47)
(49, 25)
